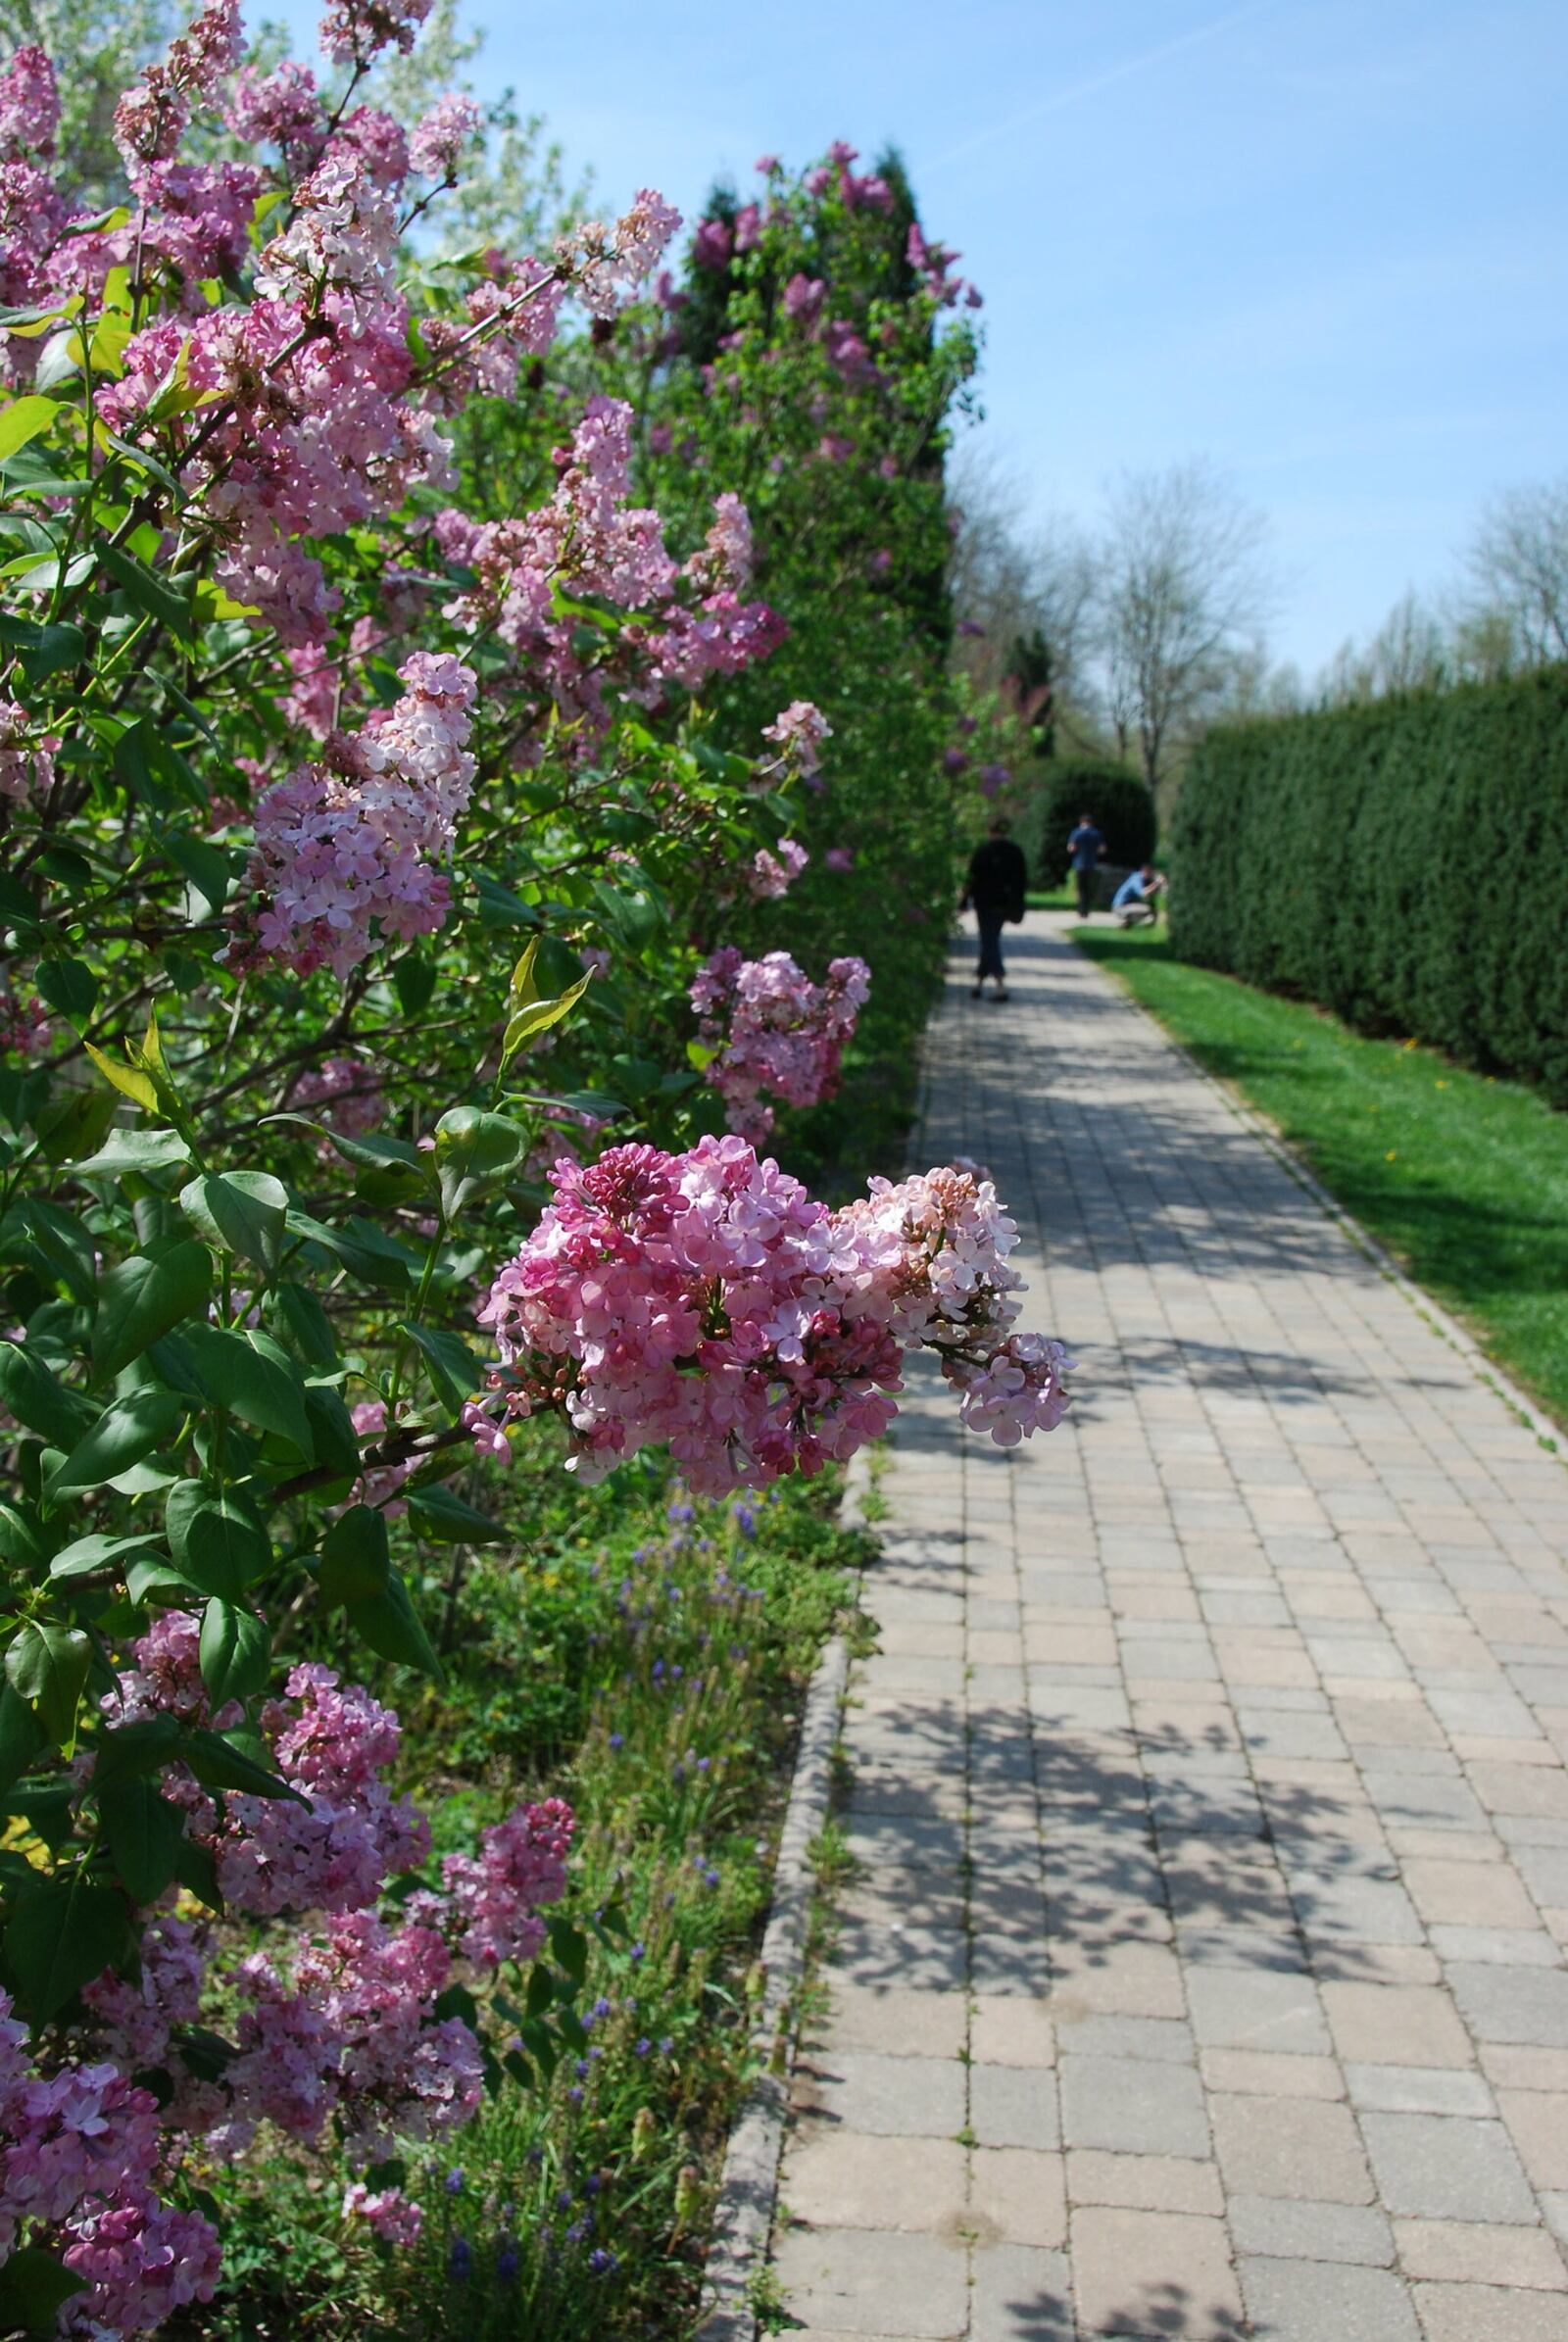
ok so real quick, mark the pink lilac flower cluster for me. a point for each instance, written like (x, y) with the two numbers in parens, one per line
(606, 265)
(707, 1301)
(150, 120)
(77, 2146)
(591, 541)
(343, 2029)
(386, 2212)
(26, 1029)
(26, 766)
(354, 32)
(436, 146)
(774, 1030)
(349, 848)
(520, 1865)
(380, 1485)
(798, 733)
(936, 264)
(349, 1092)
(770, 875)
(332, 1851)
(726, 556)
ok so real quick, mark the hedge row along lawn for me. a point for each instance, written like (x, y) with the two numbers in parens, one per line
(1463, 1176)
(1399, 863)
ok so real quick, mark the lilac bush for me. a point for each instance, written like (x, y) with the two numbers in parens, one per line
(369, 845)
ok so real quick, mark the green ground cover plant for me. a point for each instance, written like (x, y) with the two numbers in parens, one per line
(1463, 1176)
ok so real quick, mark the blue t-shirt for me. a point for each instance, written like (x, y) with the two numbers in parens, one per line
(1131, 890)
(1084, 846)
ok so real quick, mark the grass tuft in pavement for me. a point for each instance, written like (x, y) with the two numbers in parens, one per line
(1463, 1176)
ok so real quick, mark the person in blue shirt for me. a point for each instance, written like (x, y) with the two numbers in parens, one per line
(1137, 899)
(1086, 851)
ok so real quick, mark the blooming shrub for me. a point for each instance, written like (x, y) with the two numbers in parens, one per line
(382, 772)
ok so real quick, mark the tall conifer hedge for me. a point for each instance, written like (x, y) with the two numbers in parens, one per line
(1403, 863)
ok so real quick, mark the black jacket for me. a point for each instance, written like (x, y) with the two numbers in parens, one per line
(998, 878)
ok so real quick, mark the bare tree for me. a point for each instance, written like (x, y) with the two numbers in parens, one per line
(1025, 599)
(1412, 649)
(1518, 566)
(1184, 589)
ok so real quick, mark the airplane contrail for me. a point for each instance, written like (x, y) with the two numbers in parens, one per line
(1099, 82)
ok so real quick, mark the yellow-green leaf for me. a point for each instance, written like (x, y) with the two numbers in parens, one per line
(128, 1080)
(22, 420)
(537, 1017)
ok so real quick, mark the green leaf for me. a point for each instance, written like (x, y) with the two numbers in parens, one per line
(39, 1400)
(89, 1554)
(240, 1212)
(170, 605)
(122, 1435)
(474, 1148)
(299, 1318)
(146, 1833)
(125, 1751)
(155, 1579)
(140, 1151)
(218, 1765)
(47, 1662)
(64, 1245)
(374, 1258)
(21, 1735)
(236, 1652)
(389, 1623)
(22, 419)
(70, 986)
(392, 1155)
(62, 1934)
(354, 1565)
(450, 1522)
(197, 1873)
(334, 1438)
(500, 907)
(414, 980)
(205, 866)
(22, 1541)
(454, 1370)
(252, 1376)
(215, 1538)
(34, 2288)
(144, 1298)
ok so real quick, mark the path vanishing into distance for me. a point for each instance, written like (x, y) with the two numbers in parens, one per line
(1203, 1970)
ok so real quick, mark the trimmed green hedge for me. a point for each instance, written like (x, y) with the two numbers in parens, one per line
(1403, 863)
(1119, 800)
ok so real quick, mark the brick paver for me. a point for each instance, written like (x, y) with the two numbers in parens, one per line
(1204, 1974)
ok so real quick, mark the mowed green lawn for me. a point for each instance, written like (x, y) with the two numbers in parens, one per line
(1463, 1176)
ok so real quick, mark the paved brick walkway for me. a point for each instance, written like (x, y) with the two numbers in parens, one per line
(1204, 1974)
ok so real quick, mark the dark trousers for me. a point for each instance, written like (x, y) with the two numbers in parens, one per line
(1087, 888)
(990, 926)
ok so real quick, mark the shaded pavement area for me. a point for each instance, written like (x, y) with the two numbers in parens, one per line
(1203, 1972)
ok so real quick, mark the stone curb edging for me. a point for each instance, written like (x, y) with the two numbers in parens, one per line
(748, 2192)
(1550, 1434)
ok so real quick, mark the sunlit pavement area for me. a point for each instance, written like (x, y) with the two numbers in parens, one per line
(1203, 1972)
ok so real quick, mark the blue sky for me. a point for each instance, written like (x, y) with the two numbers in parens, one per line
(1322, 241)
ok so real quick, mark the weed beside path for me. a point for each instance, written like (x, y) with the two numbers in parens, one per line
(1463, 1176)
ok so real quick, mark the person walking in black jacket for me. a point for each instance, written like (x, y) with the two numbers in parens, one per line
(998, 878)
